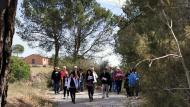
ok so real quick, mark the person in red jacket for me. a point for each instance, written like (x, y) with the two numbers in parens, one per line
(119, 75)
(63, 73)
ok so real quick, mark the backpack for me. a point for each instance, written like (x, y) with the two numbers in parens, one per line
(132, 79)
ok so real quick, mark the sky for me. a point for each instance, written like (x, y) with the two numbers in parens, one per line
(107, 55)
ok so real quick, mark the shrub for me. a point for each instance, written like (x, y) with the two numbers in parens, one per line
(19, 70)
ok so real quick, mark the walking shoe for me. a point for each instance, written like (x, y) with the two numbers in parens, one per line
(107, 96)
(73, 101)
(103, 97)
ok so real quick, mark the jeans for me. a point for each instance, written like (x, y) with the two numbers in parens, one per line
(105, 90)
(137, 89)
(90, 92)
(113, 86)
(73, 94)
(118, 86)
(66, 91)
(81, 86)
(62, 84)
(56, 86)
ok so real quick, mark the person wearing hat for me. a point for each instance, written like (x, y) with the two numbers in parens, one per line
(56, 78)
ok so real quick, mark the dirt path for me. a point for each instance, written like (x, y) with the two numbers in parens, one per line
(82, 100)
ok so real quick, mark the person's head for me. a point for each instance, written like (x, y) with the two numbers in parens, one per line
(64, 67)
(89, 72)
(133, 69)
(56, 68)
(117, 68)
(92, 68)
(130, 70)
(75, 67)
(105, 69)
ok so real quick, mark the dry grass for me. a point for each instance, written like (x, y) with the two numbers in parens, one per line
(36, 70)
(21, 94)
(31, 93)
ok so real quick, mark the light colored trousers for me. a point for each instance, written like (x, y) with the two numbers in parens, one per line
(105, 90)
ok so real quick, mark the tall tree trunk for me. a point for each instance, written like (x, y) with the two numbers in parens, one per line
(75, 54)
(7, 21)
(77, 44)
(56, 59)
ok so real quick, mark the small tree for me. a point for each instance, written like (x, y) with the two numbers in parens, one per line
(18, 49)
(19, 70)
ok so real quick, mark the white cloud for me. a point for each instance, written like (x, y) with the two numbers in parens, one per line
(118, 3)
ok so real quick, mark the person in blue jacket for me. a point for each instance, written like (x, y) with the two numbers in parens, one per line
(133, 80)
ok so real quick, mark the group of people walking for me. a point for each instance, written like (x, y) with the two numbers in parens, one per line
(110, 79)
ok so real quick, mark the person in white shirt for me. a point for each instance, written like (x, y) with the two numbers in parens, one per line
(95, 76)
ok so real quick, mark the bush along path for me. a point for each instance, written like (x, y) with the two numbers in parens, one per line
(82, 100)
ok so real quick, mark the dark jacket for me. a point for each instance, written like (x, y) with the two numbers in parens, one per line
(107, 77)
(56, 76)
(126, 84)
(89, 81)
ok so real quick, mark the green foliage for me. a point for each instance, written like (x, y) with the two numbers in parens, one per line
(43, 25)
(144, 35)
(90, 27)
(81, 27)
(19, 70)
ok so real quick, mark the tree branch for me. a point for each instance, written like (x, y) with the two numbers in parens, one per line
(157, 58)
(170, 25)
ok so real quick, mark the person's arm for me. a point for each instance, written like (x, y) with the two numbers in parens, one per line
(52, 75)
(100, 77)
(96, 75)
(109, 78)
(86, 78)
(68, 83)
(59, 76)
